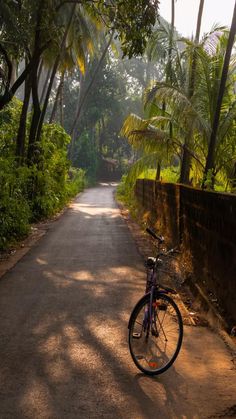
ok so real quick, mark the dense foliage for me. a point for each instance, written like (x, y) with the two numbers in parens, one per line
(177, 125)
(30, 193)
(41, 43)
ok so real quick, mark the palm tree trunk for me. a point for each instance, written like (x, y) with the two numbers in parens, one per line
(158, 172)
(186, 157)
(211, 150)
(40, 70)
(14, 72)
(233, 187)
(169, 76)
(199, 21)
(58, 94)
(45, 86)
(61, 100)
(169, 63)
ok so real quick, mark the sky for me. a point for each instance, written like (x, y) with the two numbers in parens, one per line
(186, 11)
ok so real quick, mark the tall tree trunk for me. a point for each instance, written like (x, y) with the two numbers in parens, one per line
(169, 62)
(73, 134)
(34, 83)
(233, 187)
(36, 116)
(45, 86)
(14, 72)
(210, 161)
(186, 157)
(58, 94)
(54, 70)
(169, 76)
(61, 100)
(81, 104)
(20, 140)
(199, 21)
(40, 70)
(158, 172)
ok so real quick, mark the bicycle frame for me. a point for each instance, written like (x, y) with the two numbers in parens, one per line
(151, 330)
(153, 287)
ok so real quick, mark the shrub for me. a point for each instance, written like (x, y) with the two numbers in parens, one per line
(31, 193)
(14, 207)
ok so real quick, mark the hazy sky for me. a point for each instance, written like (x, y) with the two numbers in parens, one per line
(215, 11)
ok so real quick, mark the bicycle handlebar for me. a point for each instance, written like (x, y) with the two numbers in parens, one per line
(154, 235)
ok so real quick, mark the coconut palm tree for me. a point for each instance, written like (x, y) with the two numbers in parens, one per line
(211, 156)
(190, 116)
(186, 157)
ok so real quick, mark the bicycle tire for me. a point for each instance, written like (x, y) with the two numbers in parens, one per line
(154, 351)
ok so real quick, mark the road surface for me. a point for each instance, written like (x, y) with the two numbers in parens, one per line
(64, 310)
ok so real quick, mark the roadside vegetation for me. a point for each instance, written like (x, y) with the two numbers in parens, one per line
(186, 131)
(52, 55)
(32, 192)
(79, 79)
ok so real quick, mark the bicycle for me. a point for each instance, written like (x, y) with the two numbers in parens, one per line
(155, 325)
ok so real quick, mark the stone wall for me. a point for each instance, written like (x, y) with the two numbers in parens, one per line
(204, 224)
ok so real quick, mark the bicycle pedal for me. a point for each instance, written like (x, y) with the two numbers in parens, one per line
(137, 335)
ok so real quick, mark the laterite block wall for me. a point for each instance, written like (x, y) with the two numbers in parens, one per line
(205, 224)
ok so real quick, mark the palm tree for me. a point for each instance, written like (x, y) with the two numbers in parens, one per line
(150, 142)
(193, 115)
(210, 161)
(186, 157)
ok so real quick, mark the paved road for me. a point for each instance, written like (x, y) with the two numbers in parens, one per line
(63, 331)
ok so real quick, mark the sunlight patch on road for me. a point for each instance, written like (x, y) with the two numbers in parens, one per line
(110, 332)
(156, 393)
(82, 275)
(64, 277)
(82, 355)
(114, 184)
(94, 211)
(128, 274)
(41, 261)
(37, 400)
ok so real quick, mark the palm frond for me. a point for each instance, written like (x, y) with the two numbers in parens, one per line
(142, 134)
(145, 162)
(227, 122)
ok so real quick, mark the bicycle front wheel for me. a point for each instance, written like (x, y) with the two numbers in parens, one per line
(155, 343)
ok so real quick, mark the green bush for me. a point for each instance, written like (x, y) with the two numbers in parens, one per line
(36, 192)
(76, 182)
(14, 207)
(51, 183)
(125, 195)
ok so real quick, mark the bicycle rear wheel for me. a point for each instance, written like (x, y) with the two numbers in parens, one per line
(155, 343)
